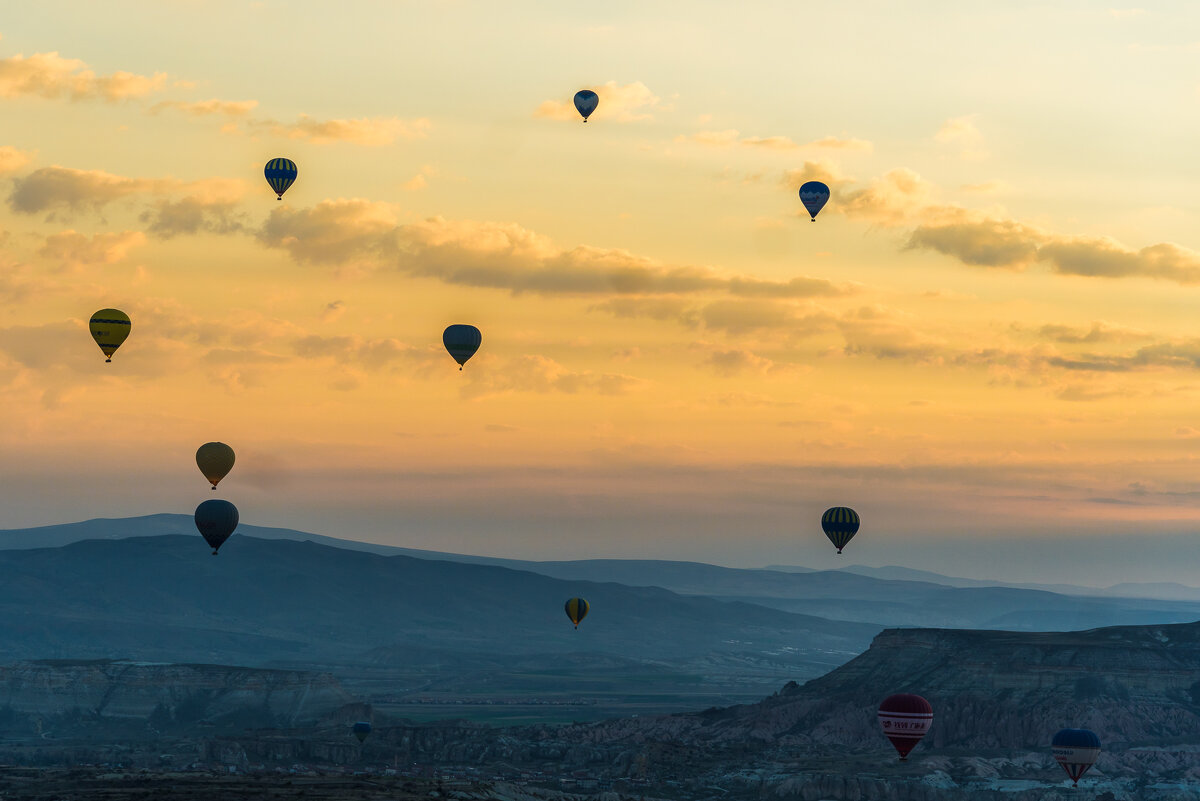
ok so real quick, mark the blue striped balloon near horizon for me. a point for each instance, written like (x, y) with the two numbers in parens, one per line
(280, 174)
(462, 341)
(1076, 750)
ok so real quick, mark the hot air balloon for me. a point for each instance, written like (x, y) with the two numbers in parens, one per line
(585, 102)
(216, 520)
(577, 610)
(814, 195)
(905, 719)
(280, 173)
(215, 460)
(109, 328)
(1076, 750)
(361, 730)
(462, 341)
(840, 524)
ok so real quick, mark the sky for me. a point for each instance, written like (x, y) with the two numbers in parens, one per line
(987, 343)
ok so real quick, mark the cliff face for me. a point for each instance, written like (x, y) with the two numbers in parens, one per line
(183, 693)
(1133, 686)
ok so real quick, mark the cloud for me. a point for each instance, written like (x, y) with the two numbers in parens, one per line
(333, 310)
(207, 207)
(899, 196)
(12, 159)
(369, 132)
(735, 362)
(207, 108)
(629, 103)
(538, 374)
(50, 75)
(838, 143)
(1107, 258)
(1099, 332)
(370, 353)
(498, 256)
(419, 181)
(211, 208)
(962, 134)
(732, 137)
(980, 242)
(77, 190)
(73, 249)
(332, 232)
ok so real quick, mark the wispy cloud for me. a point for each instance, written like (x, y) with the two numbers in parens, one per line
(49, 75)
(732, 137)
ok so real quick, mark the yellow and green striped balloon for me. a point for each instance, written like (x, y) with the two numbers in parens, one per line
(840, 524)
(577, 610)
(109, 327)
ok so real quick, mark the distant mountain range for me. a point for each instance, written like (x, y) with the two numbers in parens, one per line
(890, 596)
(300, 603)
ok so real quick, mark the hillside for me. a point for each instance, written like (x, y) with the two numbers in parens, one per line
(280, 601)
(887, 597)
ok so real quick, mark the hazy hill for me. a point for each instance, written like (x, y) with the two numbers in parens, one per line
(889, 597)
(262, 601)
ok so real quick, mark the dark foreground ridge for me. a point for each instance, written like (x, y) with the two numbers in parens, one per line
(998, 697)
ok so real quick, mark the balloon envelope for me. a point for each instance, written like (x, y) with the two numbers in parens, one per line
(905, 719)
(814, 195)
(577, 610)
(361, 730)
(462, 341)
(585, 102)
(109, 327)
(280, 174)
(216, 520)
(840, 524)
(215, 460)
(1076, 750)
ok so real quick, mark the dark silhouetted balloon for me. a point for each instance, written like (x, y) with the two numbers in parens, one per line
(361, 730)
(215, 460)
(585, 102)
(905, 719)
(462, 341)
(109, 327)
(1076, 750)
(577, 610)
(216, 520)
(840, 524)
(280, 174)
(814, 195)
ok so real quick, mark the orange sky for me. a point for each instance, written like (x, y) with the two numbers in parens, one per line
(986, 344)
